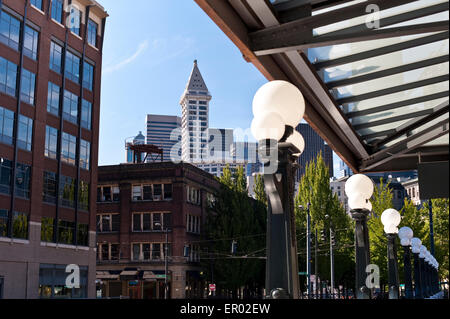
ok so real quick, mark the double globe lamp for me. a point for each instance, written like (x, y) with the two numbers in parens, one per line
(390, 219)
(278, 107)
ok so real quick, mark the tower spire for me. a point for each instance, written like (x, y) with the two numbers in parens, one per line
(195, 81)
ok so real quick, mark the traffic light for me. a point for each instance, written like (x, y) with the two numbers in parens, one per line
(323, 235)
(234, 247)
(186, 251)
(333, 238)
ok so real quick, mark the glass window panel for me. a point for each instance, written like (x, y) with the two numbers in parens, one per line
(55, 57)
(53, 98)
(156, 251)
(115, 222)
(136, 251)
(86, 114)
(25, 133)
(6, 126)
(9, 30)
(92, 33)
(49, 192)
(57, 10)
(147, 189)
(157, 221)
(146, 223)
(137, 222)
(146, 251)
(70, 107)
(31, 42)
(157, 191)
(37, 4)
(106, 223)
(47, 228)
(51, 142)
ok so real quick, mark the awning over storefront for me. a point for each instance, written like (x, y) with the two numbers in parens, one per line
(129, 275)
(106, 275)
(374, 73)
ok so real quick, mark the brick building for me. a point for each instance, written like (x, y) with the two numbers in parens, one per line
(136, 205)
(50, 79)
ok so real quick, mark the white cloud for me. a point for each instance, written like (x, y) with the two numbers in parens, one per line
(117, 66)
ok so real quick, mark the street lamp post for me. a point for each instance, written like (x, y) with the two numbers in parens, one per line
(278, 107)
(308, 250)
(359, 188)
(390, 218)
(424, 274)
(415, 248)
(166, 266)
(405, 234)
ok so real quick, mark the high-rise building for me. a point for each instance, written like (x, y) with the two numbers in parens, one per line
(344, 170)
(160, 132)
(195, 118)
(314, 145)
(50, 79)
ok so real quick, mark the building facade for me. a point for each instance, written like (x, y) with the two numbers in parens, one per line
(159, 131)
(50, 80)
(412, 189)
(137, 205)
(314, 145)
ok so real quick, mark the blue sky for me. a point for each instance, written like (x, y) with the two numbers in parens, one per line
(148, 55)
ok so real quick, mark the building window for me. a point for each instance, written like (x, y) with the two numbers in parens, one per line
(75, 20)
(19, 224)
(47, 229)
(6, 126)
(143, 222)
(85, 154)
(9, 30)
(72, 67)
(30, 43)
(92, 33)
(108, 194)
(57, 10)
(70, 107)
(148, 251)
(67, 191)
(88, 76)
(53, 98)
(52, 282)
(28, 87)
(86, 114)
(108, 223)
(8, 77)
(23, 176)
(25, 133)
(55, 57)
(37, 4)
(193, 194)
(5, 176)
(49, 193)
(83, 235)
(66, 231)
(108, 251)
(51, 142)
(193, 224)
(68, 148)
(155, 192)
(83, 195)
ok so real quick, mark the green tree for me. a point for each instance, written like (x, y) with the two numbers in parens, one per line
(235, 216)
(325, 211)
(381, 200)
(441, 233)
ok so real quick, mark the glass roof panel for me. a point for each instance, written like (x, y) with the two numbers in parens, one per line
(418, 107)
(370, 17)
(386, 61)
(396, 97)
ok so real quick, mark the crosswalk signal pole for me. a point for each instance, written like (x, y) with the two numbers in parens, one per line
(332, 239)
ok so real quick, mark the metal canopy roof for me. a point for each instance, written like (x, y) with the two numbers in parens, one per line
(374, 73)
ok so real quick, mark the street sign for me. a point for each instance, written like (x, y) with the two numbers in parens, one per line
(302, 273)
(212, 287)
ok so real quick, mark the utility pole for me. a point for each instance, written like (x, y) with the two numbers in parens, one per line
(166, 266)
(308, 251)
(430, 208)
(332, 260)
(316, 263)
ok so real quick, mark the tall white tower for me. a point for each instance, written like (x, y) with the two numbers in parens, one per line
(195, 118)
